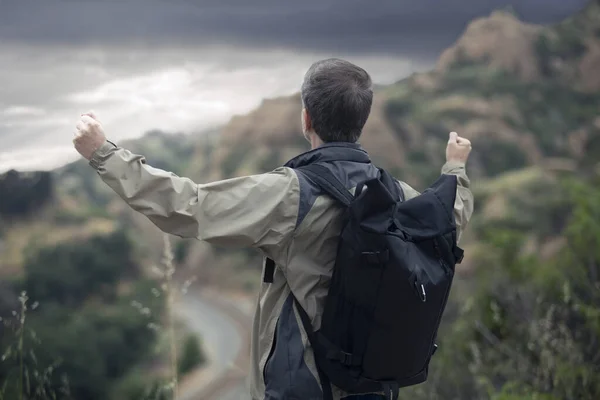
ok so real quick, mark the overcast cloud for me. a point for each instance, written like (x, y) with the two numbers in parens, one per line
(188, 65)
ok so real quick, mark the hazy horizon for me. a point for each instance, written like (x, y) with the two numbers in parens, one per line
(185, 66)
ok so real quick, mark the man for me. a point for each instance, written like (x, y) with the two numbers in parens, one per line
(282, 213)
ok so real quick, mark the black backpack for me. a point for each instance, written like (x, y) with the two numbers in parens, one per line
(392, 277)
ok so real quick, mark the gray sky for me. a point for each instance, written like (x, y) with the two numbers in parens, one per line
(188, 65)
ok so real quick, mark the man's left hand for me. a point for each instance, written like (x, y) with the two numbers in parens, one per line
(89, 135)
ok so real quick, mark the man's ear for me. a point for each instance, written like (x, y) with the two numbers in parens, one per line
(307, 120)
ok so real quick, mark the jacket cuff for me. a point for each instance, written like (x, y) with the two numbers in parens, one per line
(102, 154)
(452, 166)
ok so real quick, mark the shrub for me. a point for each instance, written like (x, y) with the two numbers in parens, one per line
(191, 356)
(70, 273)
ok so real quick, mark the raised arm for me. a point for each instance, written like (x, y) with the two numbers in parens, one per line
(252, 211)
(457, 153)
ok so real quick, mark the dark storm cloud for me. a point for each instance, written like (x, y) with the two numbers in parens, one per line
(401, 26)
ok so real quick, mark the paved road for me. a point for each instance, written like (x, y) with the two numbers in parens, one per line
(240, 392)
(224, 327)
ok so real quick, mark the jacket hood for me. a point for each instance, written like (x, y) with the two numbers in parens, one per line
(329, 152)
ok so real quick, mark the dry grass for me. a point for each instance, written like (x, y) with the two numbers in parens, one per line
(31, 383)
(169, 270)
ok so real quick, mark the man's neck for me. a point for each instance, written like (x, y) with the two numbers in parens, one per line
(315, 142)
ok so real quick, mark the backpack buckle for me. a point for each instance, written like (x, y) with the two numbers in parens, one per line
(347, 359)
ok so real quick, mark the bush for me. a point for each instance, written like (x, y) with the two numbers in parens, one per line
(499, 156)
(136, 387)
(23, 193)
(70, 273)
(64, 217)
(191, 356)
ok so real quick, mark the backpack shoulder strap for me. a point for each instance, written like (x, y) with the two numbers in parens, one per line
(328, 182)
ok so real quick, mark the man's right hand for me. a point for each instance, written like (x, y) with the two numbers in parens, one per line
(458, 149)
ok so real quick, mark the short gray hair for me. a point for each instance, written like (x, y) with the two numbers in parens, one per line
(338, 96)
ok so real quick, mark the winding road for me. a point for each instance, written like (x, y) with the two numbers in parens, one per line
(224, 325)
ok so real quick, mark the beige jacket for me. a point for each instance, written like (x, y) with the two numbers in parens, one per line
(283, 214)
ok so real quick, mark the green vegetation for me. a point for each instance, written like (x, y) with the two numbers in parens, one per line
(167, 151)
(76, 335)
(79, 270)
(270, 162)
(500, 156)
(181, 250)
(23, 194)
(191, 355)
(234, 160)
(565, 43)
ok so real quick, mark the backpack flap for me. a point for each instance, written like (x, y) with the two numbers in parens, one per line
(431, 213)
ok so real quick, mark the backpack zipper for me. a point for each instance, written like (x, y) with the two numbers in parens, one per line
(420, 288)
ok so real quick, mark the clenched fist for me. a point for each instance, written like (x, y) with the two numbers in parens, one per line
(458, 148)
(89, 135)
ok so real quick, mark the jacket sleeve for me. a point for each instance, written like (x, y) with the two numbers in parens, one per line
(463, 205)
(252, 211)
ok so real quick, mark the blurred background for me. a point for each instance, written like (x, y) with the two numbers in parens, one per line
(96, 303)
